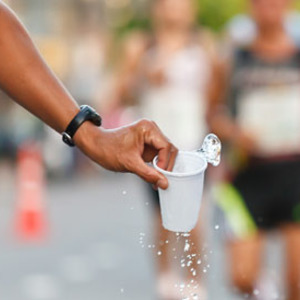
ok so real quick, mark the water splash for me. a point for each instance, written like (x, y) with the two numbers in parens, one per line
(211, 149)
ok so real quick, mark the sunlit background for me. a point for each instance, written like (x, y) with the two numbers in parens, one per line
(91, 233)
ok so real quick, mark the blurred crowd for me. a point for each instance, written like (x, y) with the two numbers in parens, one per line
(242, 83)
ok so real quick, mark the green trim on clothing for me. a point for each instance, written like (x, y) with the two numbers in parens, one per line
(235, 210)
(296, 213)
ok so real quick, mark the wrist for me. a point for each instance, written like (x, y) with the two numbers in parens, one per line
(98, 144)
(86, 134)
(85, 114)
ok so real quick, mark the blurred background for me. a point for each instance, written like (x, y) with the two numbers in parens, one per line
(69, 229)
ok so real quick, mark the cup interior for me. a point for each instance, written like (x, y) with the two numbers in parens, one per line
(186, 164)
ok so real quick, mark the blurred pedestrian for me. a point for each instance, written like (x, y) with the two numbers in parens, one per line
(241, 29)
(257, 112)
(166, 73)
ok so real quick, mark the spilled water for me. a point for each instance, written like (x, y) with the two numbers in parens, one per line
(192, 263)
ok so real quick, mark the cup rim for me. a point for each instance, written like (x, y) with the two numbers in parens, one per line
(175, 174)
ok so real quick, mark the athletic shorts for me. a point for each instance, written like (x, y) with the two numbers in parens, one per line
(263, 196)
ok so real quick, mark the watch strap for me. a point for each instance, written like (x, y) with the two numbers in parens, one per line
(86, 113)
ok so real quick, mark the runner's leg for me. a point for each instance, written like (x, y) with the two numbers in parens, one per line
(291, 235)
(245, 262)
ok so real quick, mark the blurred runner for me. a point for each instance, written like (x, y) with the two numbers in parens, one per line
(167, 71)
(26, 78)
(241, 29)
(260, 120)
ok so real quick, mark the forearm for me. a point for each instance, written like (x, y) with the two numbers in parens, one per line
(27, 79)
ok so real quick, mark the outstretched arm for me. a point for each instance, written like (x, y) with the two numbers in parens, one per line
(28, 80)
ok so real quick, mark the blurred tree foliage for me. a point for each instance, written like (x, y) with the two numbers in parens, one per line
(213, 14)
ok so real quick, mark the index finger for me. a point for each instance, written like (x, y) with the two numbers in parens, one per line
(167, 152)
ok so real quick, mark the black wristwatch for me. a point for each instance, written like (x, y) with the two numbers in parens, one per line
(86, 114)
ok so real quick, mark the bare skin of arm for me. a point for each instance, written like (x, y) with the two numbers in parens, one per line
(26, 78)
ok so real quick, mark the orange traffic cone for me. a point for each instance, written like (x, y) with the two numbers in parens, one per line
(30, 221)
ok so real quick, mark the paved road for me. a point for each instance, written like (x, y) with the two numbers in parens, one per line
(93, 249)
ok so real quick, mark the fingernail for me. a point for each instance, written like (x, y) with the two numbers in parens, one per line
(163, 184)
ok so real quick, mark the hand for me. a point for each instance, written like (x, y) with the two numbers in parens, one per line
(127, 149)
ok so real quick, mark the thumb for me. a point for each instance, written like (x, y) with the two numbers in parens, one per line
(149, 174)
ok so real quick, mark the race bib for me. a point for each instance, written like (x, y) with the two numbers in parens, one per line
(272, 116)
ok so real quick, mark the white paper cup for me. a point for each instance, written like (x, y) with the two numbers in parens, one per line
(180, 203)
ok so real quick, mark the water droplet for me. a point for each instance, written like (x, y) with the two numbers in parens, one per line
(189, 263)
(159, 253)
(256, 292)
(124, 193)
(199, 262)
(122, 290)
(217, 227)
(186, 246)
(204, 270)
(186, 234)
